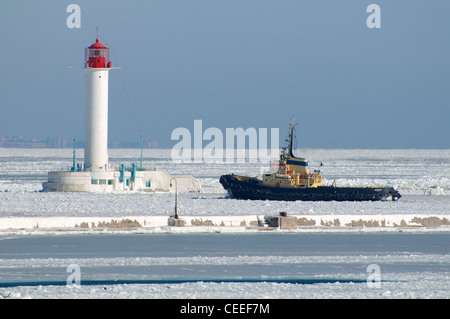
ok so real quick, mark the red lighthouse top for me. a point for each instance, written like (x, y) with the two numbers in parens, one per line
(97, 56)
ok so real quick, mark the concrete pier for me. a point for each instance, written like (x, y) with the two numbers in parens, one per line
(241, 223)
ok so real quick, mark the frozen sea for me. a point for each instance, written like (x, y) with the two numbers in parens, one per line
(412, 263)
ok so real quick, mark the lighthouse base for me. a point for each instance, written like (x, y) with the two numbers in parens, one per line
(144, 180)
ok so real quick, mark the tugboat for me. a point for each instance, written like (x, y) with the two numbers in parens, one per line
(292, 181)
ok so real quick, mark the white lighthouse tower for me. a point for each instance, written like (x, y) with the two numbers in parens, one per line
(97, 175)
(96, 67)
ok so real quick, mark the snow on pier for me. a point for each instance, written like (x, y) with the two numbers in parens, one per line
(242, 223)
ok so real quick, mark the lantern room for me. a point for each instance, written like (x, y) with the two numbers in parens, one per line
(97, 56)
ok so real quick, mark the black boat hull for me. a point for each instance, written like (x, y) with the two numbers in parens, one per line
(251, 188)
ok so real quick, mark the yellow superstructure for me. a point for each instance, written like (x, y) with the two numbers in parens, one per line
(292, 172)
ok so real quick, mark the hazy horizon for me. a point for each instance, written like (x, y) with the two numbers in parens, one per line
(234, 64)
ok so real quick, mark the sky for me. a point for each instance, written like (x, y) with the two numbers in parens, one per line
(234, 63)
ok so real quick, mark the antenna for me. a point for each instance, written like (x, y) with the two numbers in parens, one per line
(74, 169)
(141, 151)
(97, 32)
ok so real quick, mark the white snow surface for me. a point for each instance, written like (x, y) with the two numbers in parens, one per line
(395, 285)
(421, 176)
(409, 286)
(411, 171)
(422, 173)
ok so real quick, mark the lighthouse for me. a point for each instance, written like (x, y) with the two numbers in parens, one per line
(97, 66)
(98, 175)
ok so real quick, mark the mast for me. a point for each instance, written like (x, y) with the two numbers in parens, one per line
(291, 137)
